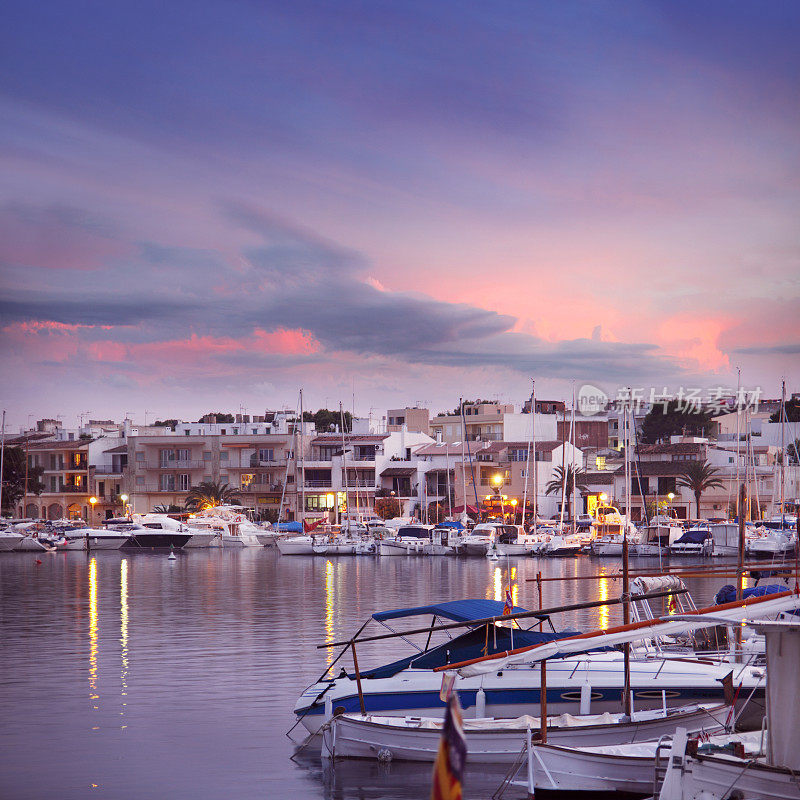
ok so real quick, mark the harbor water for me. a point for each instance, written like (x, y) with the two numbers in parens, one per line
(136, 676)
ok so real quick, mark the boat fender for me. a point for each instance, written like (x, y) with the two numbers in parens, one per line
(385, 755)
(328, 708)
(586, 697)
(480, 703)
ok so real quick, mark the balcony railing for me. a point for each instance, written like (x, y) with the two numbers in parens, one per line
(105, 470)
(319, 484)
(192, 463)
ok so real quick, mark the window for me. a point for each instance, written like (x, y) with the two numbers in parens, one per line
(223, 456)
(255, 431)
(167, 483)
(71, 437)
(187, 433)
(223, 476)
(53, 483)
(166, 456)
(518, 454)
(224, 432)
(266, 454)
(140, 455)
(401, 420)
(246, 479)
(183, 455)
(101, 488)
(206, 455)
(184, 484)
(140, 480)
(600, 462)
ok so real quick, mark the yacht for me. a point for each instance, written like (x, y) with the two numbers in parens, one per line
(480, 539)
(9, 540)
(91, 539)
(409, 540)
(199, 536)
(696, 541)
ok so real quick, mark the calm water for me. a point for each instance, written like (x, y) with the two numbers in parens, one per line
(132, 676)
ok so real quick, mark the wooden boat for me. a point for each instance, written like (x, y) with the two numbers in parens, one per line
(499, 741)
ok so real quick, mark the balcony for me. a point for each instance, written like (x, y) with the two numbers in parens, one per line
(104, 470)
(176, 465)
(319, 484)
(361, 484)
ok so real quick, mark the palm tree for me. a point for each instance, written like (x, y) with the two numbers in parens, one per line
(569, 478)
(208, 494)
(698, 477)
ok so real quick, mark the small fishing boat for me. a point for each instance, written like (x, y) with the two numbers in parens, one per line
(499, 741)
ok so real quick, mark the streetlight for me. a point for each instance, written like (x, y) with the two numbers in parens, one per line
(497, 480)
(92, 500)
(670, 497)
(331, 500)
(124, 499)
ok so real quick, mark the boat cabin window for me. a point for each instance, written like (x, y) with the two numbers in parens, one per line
(507, 534)
(413, 532)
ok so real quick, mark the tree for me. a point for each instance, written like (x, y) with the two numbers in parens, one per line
(14, 478)
(326, 420)
(792, 408)
(793, 452)
(170, 509)
(699, 477)
(166, 423)
(208, 494)
(673, 420)
(219, 415)
(387, 507)
(569, 478)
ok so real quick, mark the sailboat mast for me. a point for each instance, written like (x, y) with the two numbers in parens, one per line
(535, 465)
(574, 511)
(463, 461)
(344, 466)
(302, 510)
(783, 450)
(2, 459)
(738, 432)
(528, 459)
(626, 613)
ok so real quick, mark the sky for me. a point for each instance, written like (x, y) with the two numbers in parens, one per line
(208, 205)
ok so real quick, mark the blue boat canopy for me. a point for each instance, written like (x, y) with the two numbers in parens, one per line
(451, 524)
(289, 527)
(456, 610)
(727, 594)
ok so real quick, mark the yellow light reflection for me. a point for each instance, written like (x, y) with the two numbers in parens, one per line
(93, 630)
(515, 594)
(123, 625)
(498, 584)
(513, 573)
(329, 609)
(602, 594)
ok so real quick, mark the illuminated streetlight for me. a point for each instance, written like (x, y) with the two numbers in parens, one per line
(92, 500)
(603, 496)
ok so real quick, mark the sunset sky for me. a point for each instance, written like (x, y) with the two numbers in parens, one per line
(207, 205)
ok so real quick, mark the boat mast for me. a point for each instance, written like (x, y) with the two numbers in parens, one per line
(626, 613)
(783, 451)
(463, 461)
(535, 465)
(302, 511)
(2, 459)
(528, 455)
(447, 479)
(574, 511)
(344, 466)
(738, 433)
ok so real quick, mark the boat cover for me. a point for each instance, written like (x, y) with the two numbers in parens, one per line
(450, 524)
(288, 527)
(727, 594)
(693, 537)
(456, 610)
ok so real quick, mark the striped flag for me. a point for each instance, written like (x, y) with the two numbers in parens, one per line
(449, 767)
(508, 608)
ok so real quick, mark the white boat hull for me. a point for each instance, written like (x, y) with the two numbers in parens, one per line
(296, 546)
(10, 541)
(201, 540)
(400, 547)
(30, 545)
(515, 691)
(500, 741)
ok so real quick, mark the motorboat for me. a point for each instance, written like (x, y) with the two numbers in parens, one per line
(499, 741)
(724, 538)
(655, 539)
(482, 537)
(513, 541)
(92, 539)
(561, 545)
(771, 543)
(445, 540)
(141, 537)
(696, 541)
(9, 540)
(200, 535)
(409, 540)
(410, 686)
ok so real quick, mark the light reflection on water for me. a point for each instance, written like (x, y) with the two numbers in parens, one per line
(199, 661)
